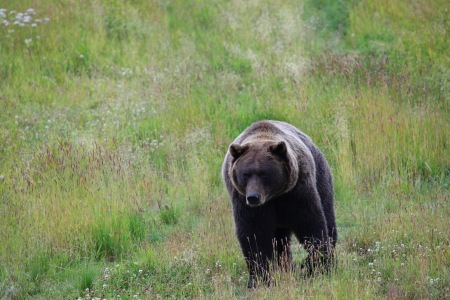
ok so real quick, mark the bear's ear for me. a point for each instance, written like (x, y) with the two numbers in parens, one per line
(237, 150)
(280, 149)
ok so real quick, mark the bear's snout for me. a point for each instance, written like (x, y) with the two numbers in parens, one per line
(253, 199)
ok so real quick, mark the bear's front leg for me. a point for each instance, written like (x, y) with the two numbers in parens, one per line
(255, 233)
(258, 252)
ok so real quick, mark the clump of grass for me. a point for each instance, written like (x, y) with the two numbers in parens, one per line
(114, 238)
(137, 227)
(168, 215)
(87, 278)
(110, 240)
(38, 268)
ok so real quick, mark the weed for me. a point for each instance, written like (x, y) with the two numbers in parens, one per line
(110, 239)
(87, 277)
(168, 215)
(38, 267)
(137, 227)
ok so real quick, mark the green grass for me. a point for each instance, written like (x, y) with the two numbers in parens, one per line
(115, 117)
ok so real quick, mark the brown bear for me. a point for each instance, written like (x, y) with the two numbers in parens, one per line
(279, 183)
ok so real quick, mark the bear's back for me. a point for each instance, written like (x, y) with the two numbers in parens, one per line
(273, 130)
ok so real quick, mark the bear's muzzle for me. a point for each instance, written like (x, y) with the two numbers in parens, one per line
(253, 199)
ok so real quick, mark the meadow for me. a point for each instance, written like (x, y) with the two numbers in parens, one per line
(115, 117)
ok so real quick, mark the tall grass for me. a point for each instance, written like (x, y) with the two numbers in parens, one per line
(115, 117)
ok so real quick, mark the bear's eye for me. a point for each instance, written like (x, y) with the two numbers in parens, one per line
(246, 175)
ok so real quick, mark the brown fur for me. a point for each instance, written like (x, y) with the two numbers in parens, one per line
(279, 183)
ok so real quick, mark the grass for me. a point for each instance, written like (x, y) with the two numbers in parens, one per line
(115, 117)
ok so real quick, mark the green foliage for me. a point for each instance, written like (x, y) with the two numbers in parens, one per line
(168, 215)
(38, 267)
(110, 240)
(137, 227)
(87, 277)
(329, 16)
(115, 117)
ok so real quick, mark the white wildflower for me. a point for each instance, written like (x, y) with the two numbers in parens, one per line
(218, 264)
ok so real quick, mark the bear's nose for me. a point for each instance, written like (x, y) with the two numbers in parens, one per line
(252, 198)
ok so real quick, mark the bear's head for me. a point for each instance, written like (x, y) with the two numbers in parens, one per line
(261, 170)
